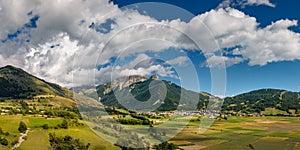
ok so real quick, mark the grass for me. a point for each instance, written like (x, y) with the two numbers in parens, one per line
(10, 124)
(272, 111)
(239, 132)
(37, 138)
(39, 121)
(273, 143)
(86, 135)
(62, 101)
(234, 133)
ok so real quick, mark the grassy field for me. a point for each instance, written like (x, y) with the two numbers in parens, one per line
(234, 133)
(243, 133)
(37, 137)
(10, 124)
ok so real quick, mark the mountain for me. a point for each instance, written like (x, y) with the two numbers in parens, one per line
(133, 92)
(128, 90)
(15, 83)
(264, 99)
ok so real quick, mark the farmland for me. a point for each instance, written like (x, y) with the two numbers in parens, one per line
(37, 137)
(243, 133)
(36, 114)
(233, 133)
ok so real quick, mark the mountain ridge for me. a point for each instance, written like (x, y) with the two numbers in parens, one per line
(140, 92)
(257, 101)
(17, 83)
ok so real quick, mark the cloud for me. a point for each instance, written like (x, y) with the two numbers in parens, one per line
(259, 46)
(216, 61)
(161, 70)
(44, 60)
(243, 3)
(181, 60)
(60, 35)
(142, 64)
(72, 37)
(259, 2)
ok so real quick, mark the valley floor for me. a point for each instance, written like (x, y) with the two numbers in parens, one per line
(243, 133)
(37, 137)
(234, 133)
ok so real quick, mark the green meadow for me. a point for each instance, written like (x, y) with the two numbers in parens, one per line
(38, 138)
(233, 133)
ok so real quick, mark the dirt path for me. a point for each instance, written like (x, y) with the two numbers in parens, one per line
(21, 139)
(281, 94)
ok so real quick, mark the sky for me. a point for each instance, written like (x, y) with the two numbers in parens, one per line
(224, 47)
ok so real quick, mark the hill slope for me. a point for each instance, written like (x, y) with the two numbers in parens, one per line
(16, 83)
(138, 86)
(258, 100)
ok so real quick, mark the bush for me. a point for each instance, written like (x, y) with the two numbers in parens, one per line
(22, 127)
(6, 133)
(14, 142)
(64, 124)
(165, 145)
(66, 143)
(45, 126)
(3, 141)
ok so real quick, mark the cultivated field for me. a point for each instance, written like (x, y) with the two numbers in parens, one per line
(243, 133)
(234, 133)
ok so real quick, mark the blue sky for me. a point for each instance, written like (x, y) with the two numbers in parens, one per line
(76, 43)
(242, 77)
(264, 14)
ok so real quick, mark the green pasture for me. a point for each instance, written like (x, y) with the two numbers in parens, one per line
(37, 137)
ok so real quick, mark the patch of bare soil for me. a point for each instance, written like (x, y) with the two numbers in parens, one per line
(21, 140)
(192, 147)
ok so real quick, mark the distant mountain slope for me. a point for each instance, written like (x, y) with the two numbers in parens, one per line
(16, 83)
(258, 100)
(139, 88)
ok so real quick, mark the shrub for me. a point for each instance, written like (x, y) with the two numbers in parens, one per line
(14, 142)
(64, 124)
(66, 143)
(6, 133)
(3, 141)
(165, 145)
(22, 127)
(45, 126)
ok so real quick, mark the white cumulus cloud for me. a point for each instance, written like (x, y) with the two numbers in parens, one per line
(63, 35)
(243, 3)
